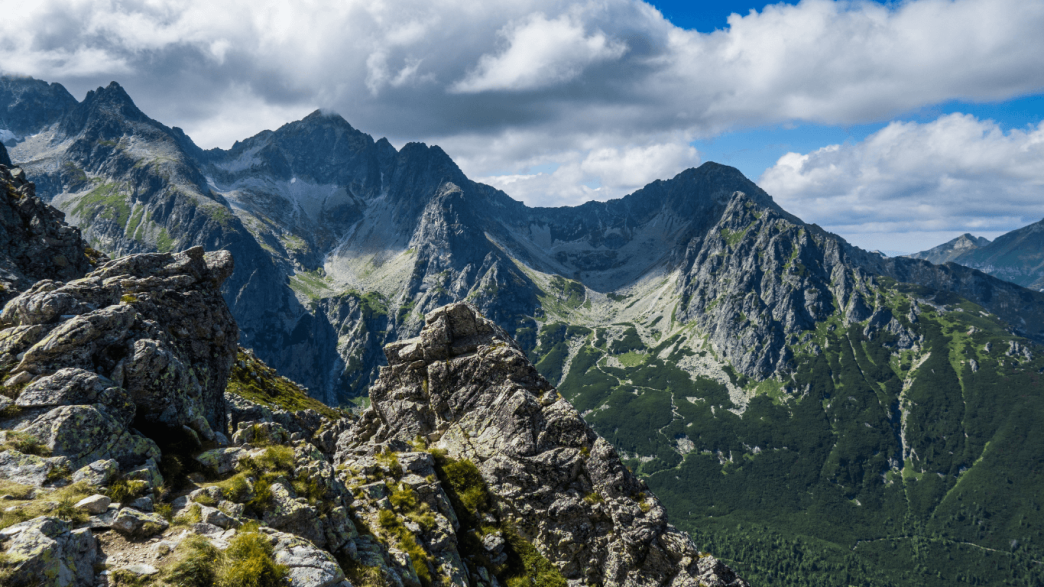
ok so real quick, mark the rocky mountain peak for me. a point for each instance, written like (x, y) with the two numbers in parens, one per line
(5, 159)
(30, 105)
(466, 388)
(109, 108)
(969, 241)
(951, 250)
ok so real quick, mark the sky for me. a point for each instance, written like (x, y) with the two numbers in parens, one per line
(898, 125)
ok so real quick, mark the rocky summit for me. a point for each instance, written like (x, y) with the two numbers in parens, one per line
(140, 445)
(465, 388)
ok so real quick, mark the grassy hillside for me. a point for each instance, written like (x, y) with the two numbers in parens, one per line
(866, 466)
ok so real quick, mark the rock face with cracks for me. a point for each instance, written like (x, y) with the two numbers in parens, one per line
(468, 389)
(145, 339)
(35, 242)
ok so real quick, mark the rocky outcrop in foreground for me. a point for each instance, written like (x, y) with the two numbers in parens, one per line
(464, 387)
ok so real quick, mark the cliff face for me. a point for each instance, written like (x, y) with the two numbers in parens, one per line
(35, 243)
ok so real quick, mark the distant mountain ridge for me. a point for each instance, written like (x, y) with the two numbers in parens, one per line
(1016, 256)
(951, 250)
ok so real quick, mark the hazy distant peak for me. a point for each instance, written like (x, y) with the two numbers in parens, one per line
(950, 250)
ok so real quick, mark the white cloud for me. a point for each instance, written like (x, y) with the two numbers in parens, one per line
(910, 182)
(505, 86)
(598, 174)
(540, 53)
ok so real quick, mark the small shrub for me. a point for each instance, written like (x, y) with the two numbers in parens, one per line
(403, 499)
(166, 510)
(11, 392)
(593, 498)
(390, 460)
(423, 516)
(419, 443)
(310, 488)
(125, 578)
(126, 490)
(387, 519)
(58, 473)
(361, 575)
(262, 497)
(150, 528)
(251, 526)
(236, 488)
(248, 562)
(68, 512)
(532, 569)
(465, 479)
(391, 523)
(196, 563)
(275, 459)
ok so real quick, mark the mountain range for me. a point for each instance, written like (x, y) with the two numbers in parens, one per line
(1016, 256)
(812, 412)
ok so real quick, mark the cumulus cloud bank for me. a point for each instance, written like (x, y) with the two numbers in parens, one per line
(920, 183)
(561, 101)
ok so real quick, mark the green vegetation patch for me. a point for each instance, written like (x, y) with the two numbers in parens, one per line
(252, 379)
(632, 359)
(247, 562)
(104, 202)
(630, 341)
(219, 214)
(26, 503)
(733, 237)
(294, 243)
(164, 243)
(312, 284)
(132, 229)
(565, 294)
